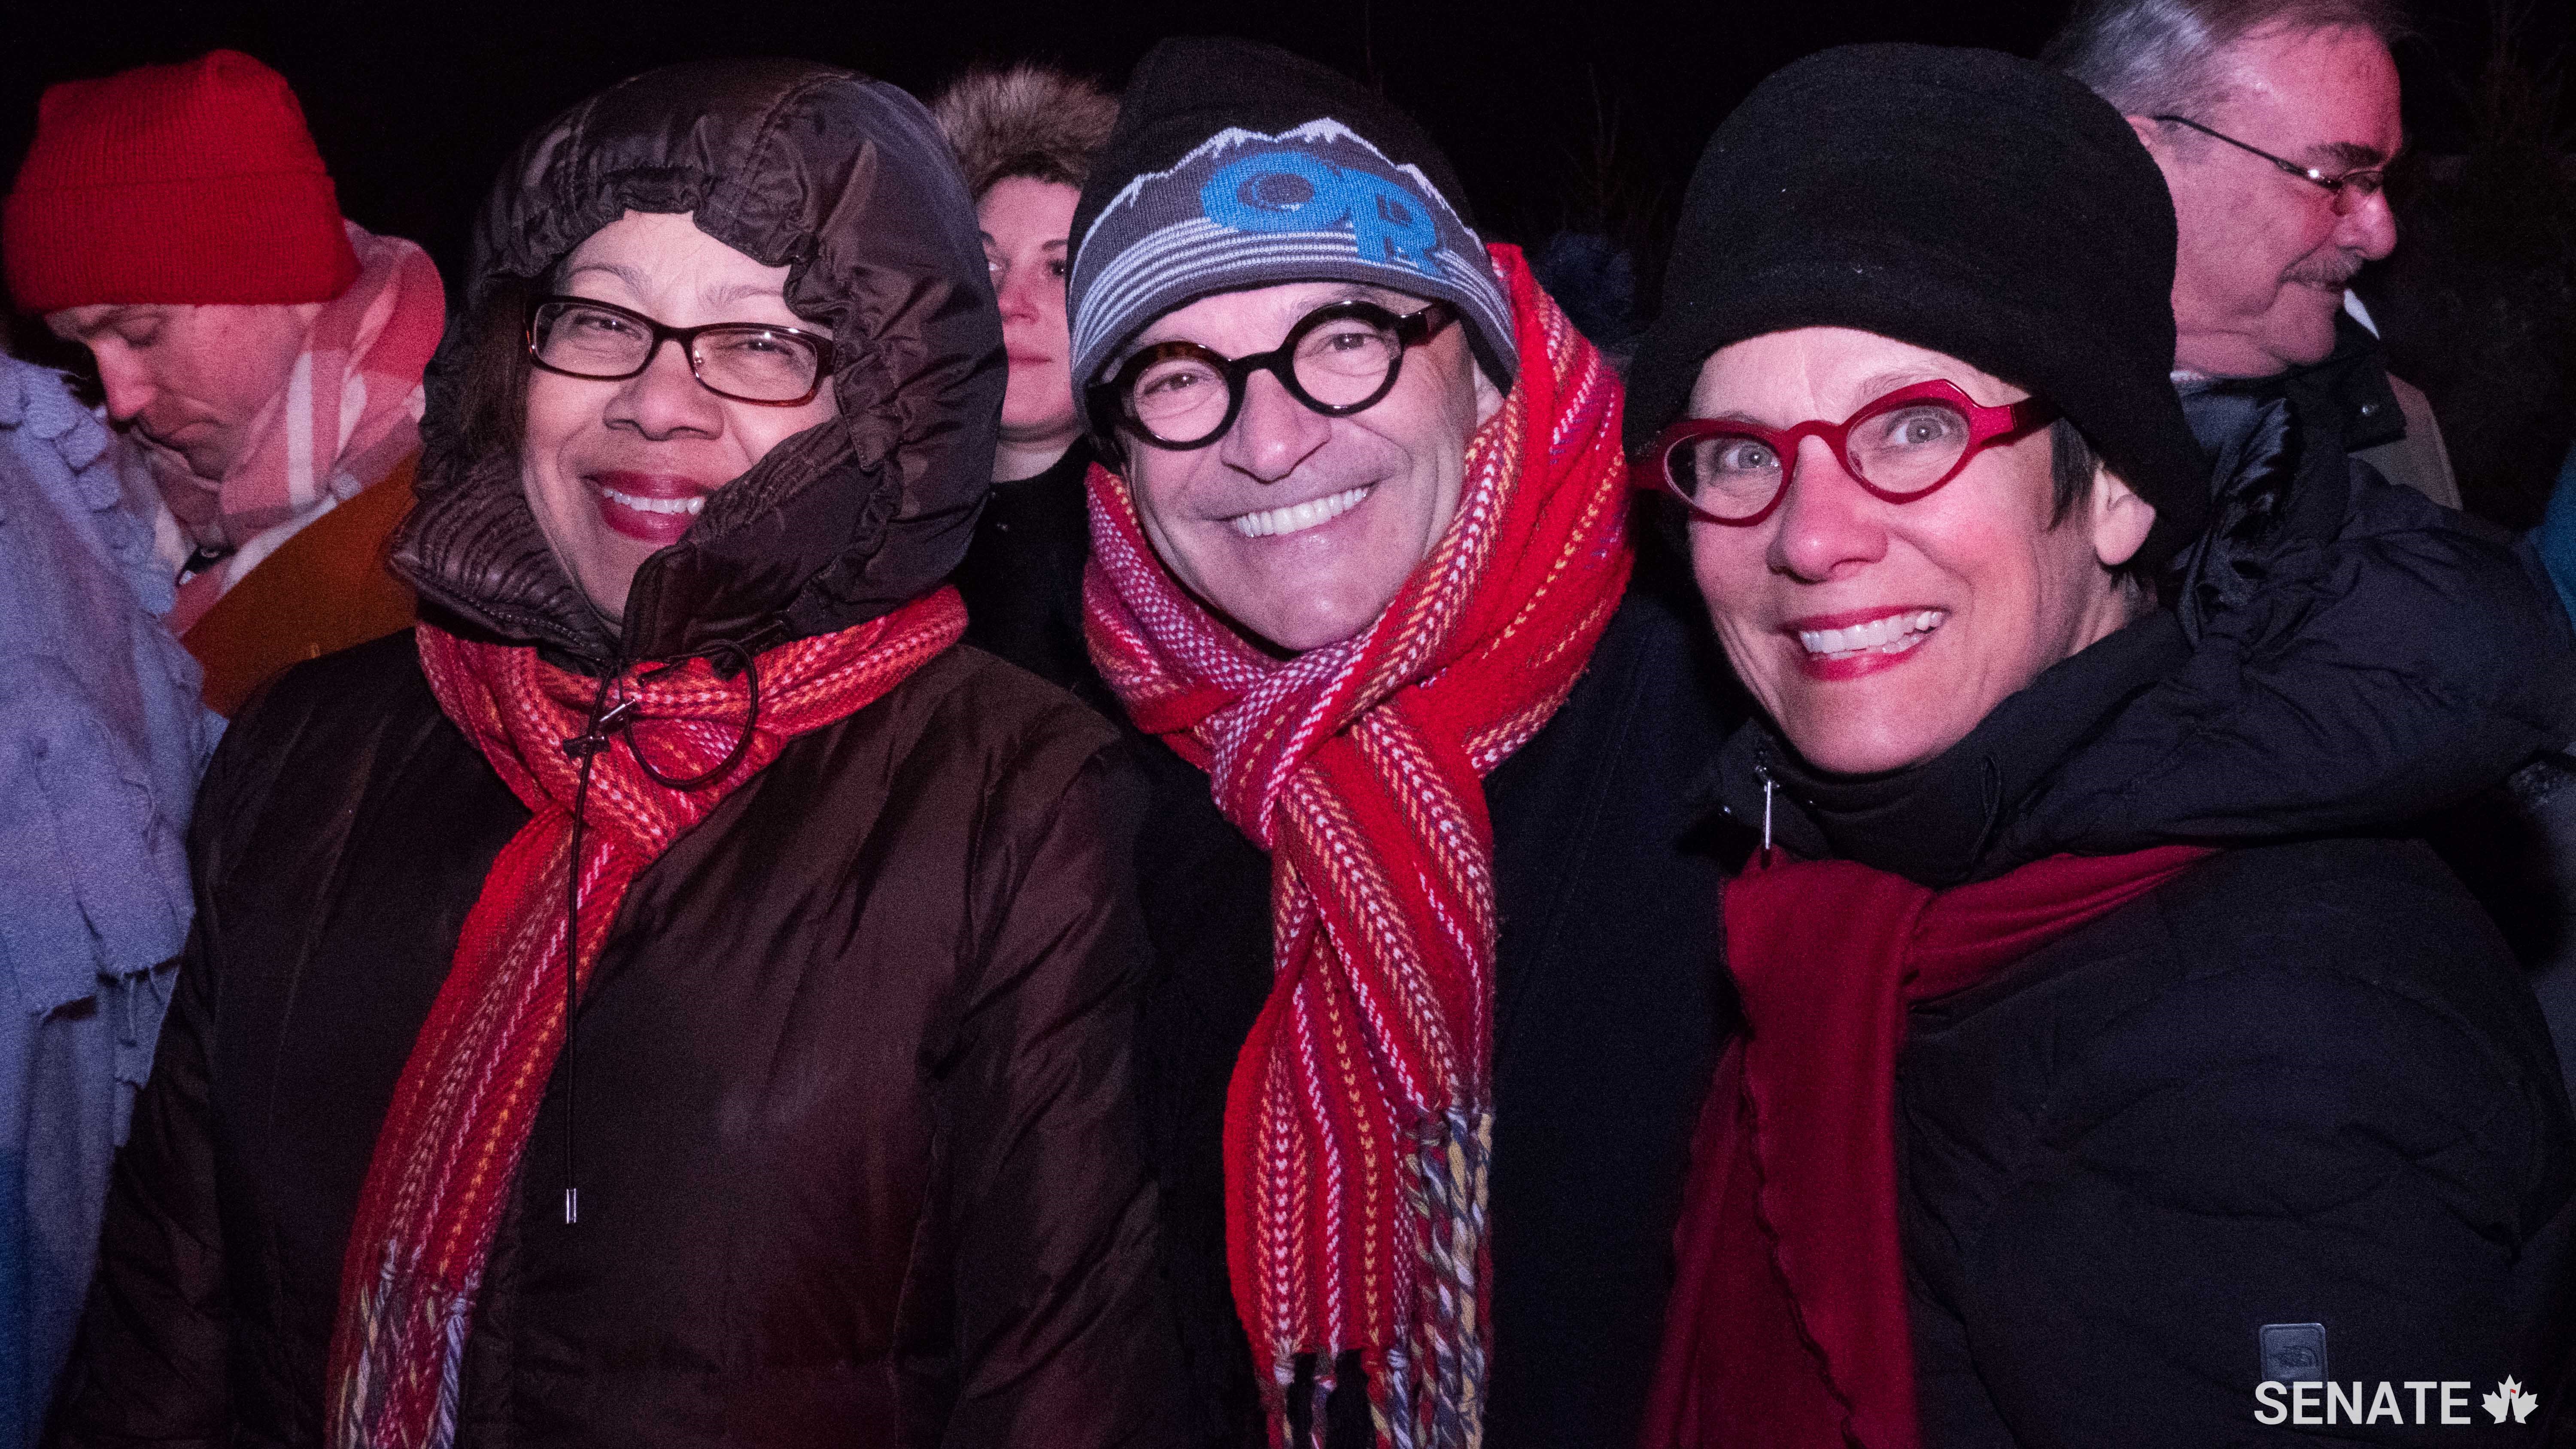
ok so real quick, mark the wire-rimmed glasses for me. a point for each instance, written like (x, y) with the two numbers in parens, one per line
(753, 362)
(1900, 446)
(1337, 360)
(2349, 189)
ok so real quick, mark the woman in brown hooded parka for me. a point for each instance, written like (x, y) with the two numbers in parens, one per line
(824, 1138)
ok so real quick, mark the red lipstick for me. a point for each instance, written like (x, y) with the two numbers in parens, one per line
(654, 508)
(1852, 659)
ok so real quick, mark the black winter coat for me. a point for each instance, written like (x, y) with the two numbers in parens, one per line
(1607, 1016)
(2302, 1083)
(855, 1133)
(2514, 847)
(1022, 578)
(2345, 393)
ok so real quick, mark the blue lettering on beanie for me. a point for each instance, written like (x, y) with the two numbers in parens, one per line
(1277, 191)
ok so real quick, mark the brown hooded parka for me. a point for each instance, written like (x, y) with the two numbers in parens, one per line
(854, 1141)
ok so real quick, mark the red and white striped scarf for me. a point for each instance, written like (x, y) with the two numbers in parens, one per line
(350, 411)
(449, 1149)
(1360, 1115)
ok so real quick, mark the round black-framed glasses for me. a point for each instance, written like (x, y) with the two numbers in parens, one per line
(1338, 360)
(753, 362)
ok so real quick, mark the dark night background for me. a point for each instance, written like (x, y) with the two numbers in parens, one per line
(1585, 114)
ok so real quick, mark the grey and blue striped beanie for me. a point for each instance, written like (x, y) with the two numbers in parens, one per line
(1235, 165)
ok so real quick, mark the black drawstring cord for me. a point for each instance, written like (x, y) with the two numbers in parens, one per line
(742, 744)
(584, 747)
(605, 723)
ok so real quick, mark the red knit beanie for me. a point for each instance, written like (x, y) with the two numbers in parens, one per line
(191, 183)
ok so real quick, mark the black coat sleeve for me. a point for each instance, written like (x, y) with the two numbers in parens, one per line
(1060, 1335)
(2312, 1127)
(149, 1365)
(2400, 645)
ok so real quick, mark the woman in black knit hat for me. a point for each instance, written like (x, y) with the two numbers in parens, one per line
(2107, 1076)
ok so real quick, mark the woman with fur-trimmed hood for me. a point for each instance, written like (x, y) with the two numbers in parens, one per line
(1024, 136)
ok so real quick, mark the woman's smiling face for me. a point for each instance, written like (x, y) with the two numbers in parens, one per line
(617, 471)
(1878, 634)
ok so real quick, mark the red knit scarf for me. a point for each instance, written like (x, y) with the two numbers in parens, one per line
(1788, 1325)
(449, 1150)
(1361, 1109)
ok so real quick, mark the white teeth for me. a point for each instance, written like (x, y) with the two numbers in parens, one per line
(1298, 517)
(1892, 635)
(690, 505)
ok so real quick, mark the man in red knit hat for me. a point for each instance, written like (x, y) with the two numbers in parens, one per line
(261, 355)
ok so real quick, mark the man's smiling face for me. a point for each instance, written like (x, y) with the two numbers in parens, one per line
(2264, 255)
(1300, 528)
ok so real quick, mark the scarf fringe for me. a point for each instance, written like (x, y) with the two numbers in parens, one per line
(1448, 1194)
(447, 1160)
(1359, 1118)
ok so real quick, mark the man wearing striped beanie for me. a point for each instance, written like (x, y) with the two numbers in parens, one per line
(1432, 1003)
(261, 356)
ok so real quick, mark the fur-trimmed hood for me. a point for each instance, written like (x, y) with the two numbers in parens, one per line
(1028, 120)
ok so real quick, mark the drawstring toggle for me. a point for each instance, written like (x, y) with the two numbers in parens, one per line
(595, 739)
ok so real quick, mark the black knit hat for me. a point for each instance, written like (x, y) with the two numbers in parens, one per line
(1965, 201)
(1236, 164)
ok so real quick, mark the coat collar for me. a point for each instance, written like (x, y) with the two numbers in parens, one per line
(1940, 823)
(2346, 392)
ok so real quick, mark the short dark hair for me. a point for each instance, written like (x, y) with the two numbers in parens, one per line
(2169, 57)
(2071, 466)
(493, 371)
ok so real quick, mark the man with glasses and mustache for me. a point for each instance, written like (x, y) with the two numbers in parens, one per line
(1433, 992)
(2274, 122)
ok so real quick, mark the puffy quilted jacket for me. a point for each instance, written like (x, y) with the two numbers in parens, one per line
(2303, 1083)
(857, 1157)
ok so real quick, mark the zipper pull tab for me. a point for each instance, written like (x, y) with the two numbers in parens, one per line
(1768, 786)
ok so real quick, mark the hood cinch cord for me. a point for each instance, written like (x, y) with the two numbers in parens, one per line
(605, 722)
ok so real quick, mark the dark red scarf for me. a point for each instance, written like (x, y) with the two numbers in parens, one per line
(1788, 1327)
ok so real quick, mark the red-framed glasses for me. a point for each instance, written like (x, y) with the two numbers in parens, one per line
(1899, 447)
